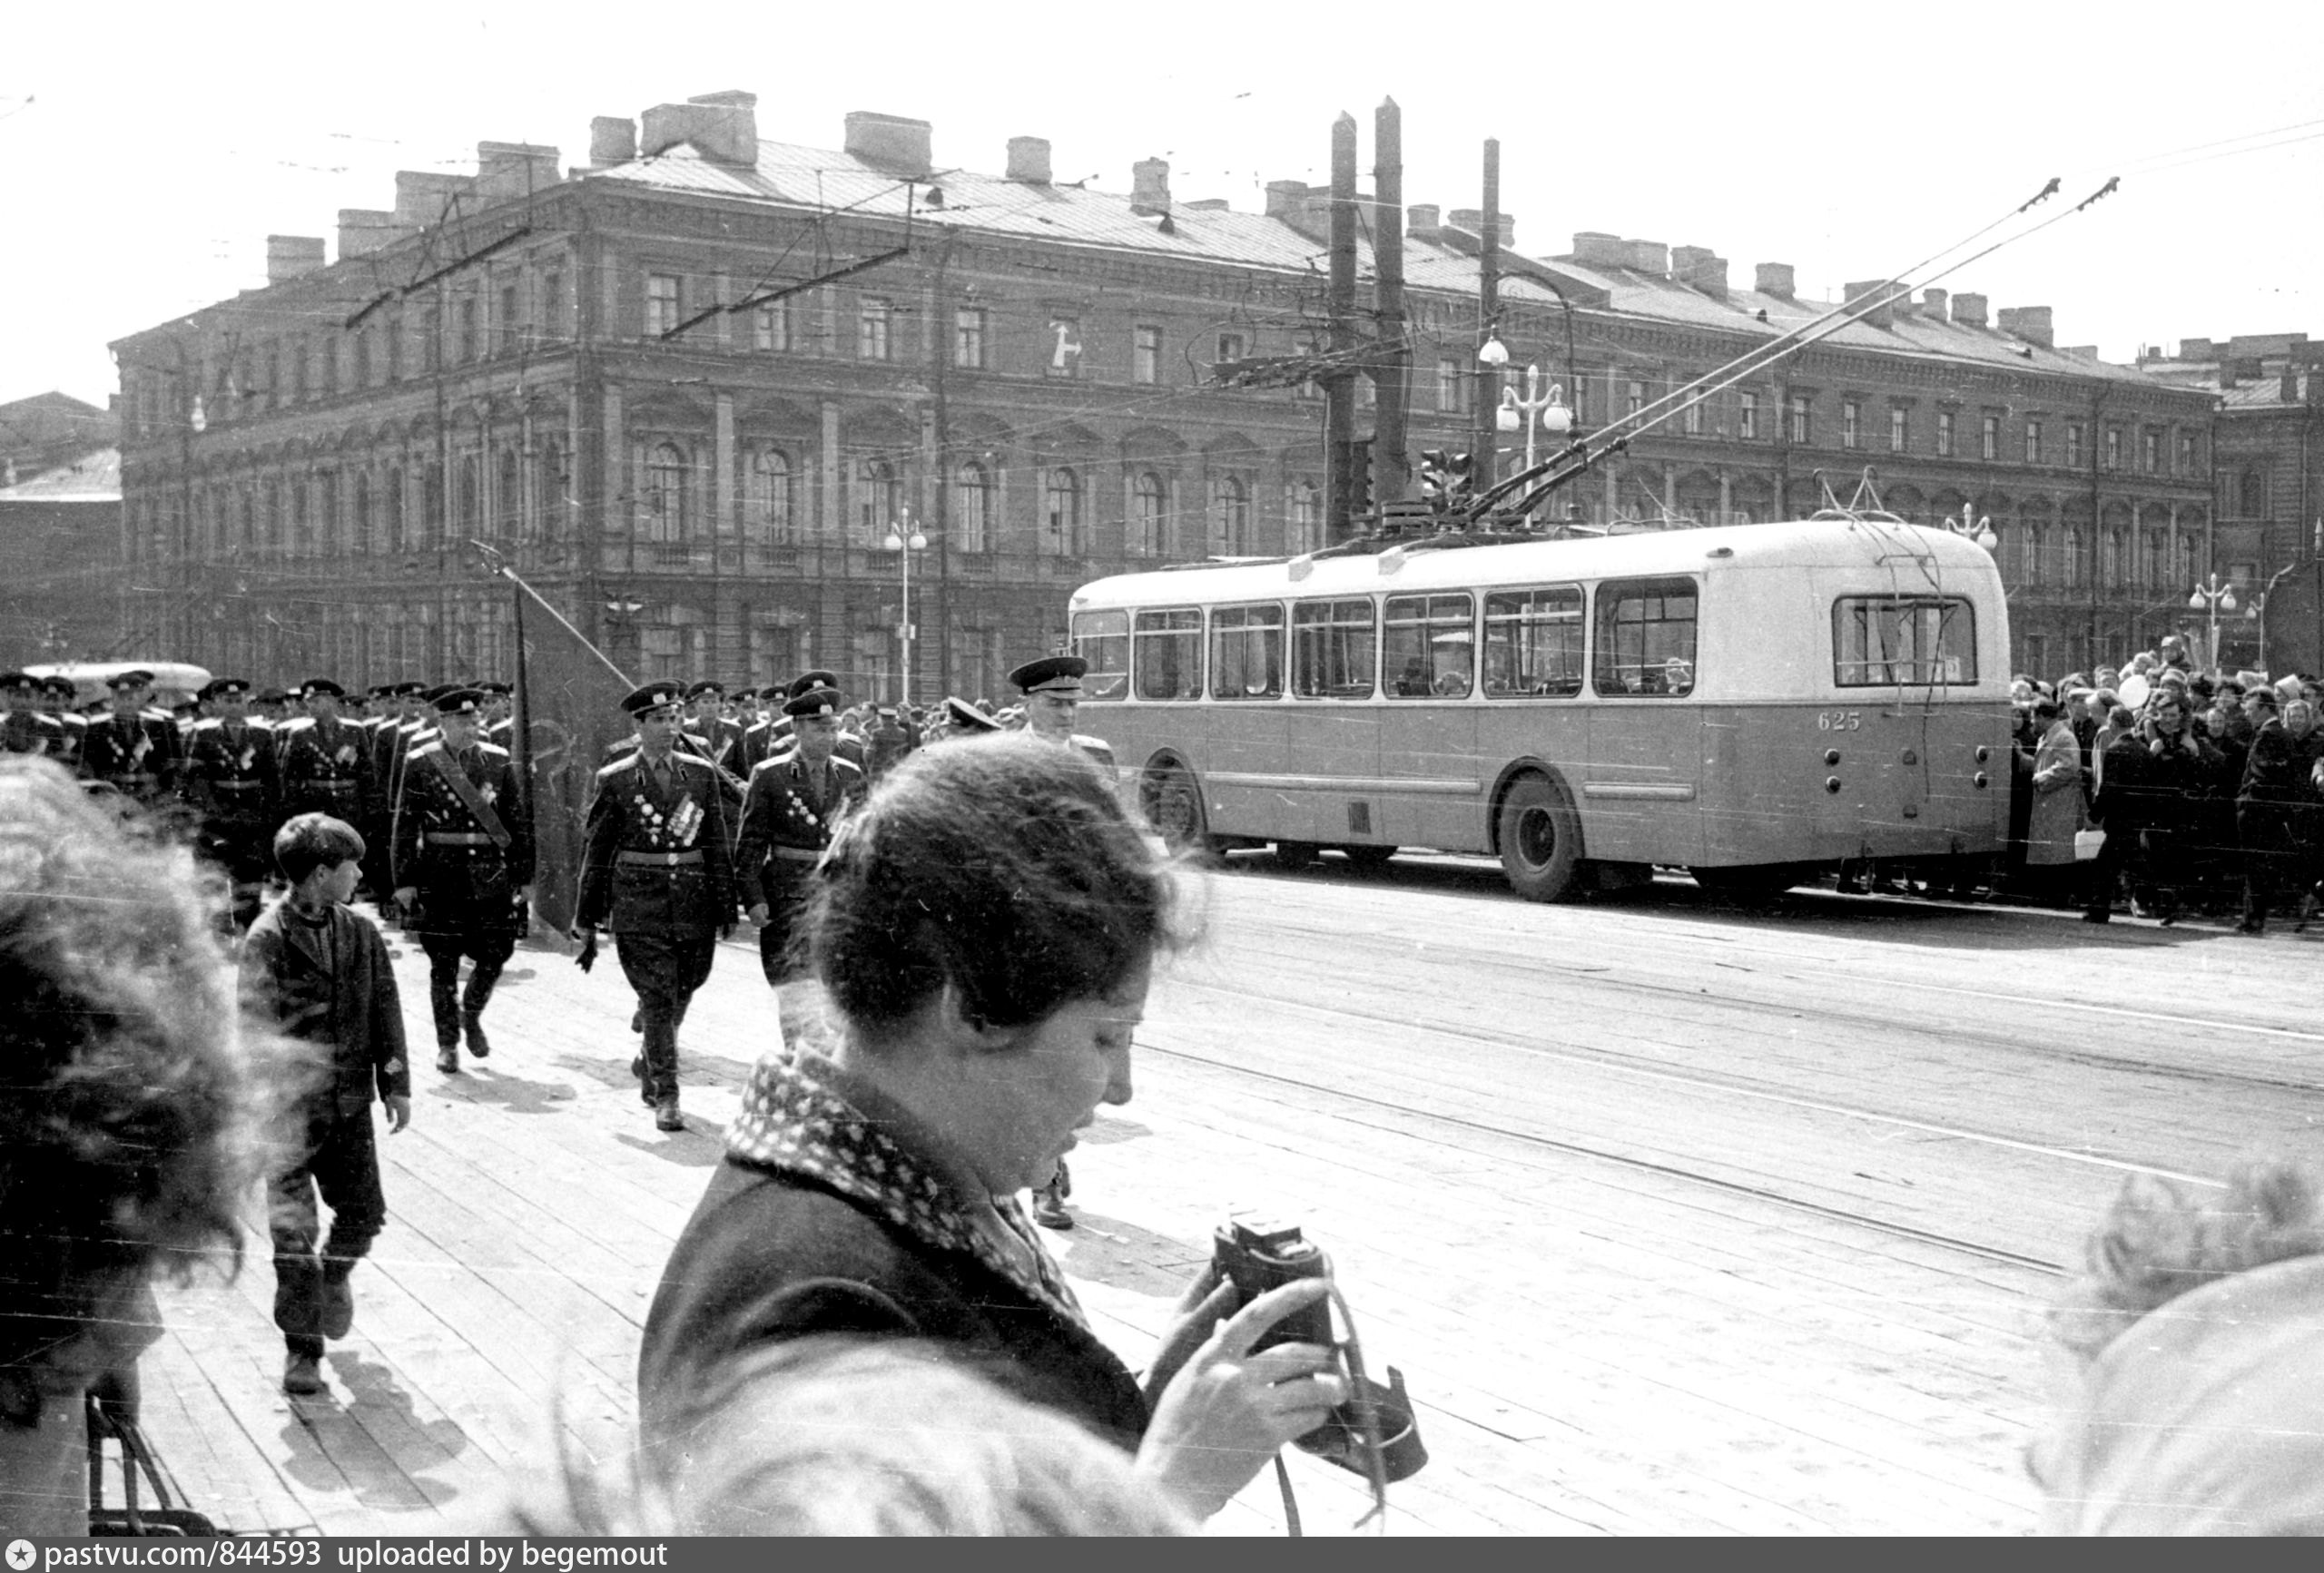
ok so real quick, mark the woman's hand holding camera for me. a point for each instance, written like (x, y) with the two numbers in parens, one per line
(1223, 1411)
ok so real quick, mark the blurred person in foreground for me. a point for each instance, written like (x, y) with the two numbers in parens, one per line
(833, 1435)
(985, 929)
(123, 1137)
(2196, 1334)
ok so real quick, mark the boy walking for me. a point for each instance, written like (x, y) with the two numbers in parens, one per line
(319, 973)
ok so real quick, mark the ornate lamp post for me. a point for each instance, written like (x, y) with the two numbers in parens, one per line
(904, 538)
(2211, 598)
(1974, 526)
(1518, 411)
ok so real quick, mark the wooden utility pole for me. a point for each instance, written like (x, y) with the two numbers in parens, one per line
(1339, 452)
(1391, 464)
(1488, 323)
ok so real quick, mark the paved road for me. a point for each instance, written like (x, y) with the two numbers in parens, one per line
(1678, 1216)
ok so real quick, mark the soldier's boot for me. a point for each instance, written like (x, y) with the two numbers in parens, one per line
(665, 1115)
(1048, 1201)
(443, 1002)
(472, 1031)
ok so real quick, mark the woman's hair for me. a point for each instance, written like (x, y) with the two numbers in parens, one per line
(123, 1121)
(836, 1435)
(2164, 1237)
(311, 842)
(1001, 866)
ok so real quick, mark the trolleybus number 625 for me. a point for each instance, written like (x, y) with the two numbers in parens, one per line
(1839, 720)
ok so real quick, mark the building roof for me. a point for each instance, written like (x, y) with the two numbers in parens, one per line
(93, 478)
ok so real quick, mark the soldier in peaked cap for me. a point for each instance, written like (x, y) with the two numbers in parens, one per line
(134, 749)
(656, 869)
(25, 729)
(795, 800)
(230, 781)
(707, 719)
(962, 718)
(57, 693)
(499, 712)
(463, 867)
(322, 761)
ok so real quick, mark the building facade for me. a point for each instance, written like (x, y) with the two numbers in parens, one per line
(691, 389)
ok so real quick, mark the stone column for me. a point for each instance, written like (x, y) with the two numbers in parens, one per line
(722, 480)
(619, 521)
(827, 507)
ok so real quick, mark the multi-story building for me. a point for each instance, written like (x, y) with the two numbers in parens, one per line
(691, 389)
(2270, 469)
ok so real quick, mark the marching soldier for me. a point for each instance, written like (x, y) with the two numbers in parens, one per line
(463, 867)
(1052, 690)
(794, 798)
(500, 713)
(322, 762)
(231, 782)
(25, 729)
(56, 696)
(707, 719)
(764, 738)
(134, 749)
(656, 869)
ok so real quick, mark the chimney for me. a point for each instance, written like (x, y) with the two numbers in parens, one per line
(722, 127)
(1698, 269)
(1420, 221)
(2031, 323)
(365, 230)
(505, 170)
(1969, 310)
(424, 197)
(1932, 304)
(2196, 350)
(1284, 199)
(1149, 188)
(1774, 278)
(612, 141)
(1473, 221)
(290, 257)
(1595, 249)
(2227, 377)
(1651, 256)
(894, 143)
(2287, 386)
(1883, 316)
(1028, 160)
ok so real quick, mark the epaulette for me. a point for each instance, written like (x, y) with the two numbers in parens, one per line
(297, 723)
(770, 762)
(211, 724)
(608, 771)
(433, 746)
(846, 763)
(493, 748)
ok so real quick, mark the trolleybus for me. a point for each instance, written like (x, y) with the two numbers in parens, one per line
(1754, 703)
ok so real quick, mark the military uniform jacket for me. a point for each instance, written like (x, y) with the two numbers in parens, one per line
(325, 772)
(656, 859)
(136, 753)
(229, 774)
(787, 821)
(1096, 748)
(30, 732)
(445, 850)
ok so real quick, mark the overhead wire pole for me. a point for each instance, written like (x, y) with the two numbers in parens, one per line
(1483, 465)
(1339, 387)
(1391, 463)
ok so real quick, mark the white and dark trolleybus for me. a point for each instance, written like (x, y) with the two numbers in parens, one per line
(1754, 703)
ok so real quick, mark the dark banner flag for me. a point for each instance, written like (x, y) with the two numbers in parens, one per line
(568, 711)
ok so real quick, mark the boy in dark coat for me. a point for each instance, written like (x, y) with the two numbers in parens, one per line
(314, 971)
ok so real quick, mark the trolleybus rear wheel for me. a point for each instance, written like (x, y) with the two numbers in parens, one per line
(1174, 808)
(1296, 854)
(1369, 855)
(1540, 838)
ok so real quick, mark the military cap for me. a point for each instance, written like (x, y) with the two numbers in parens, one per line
(314, 686)
(695, 691)
(1051, 675)
(776, 691)
(497, 688)
(814, 702)
(410, 688)
(380, 690)
(137, 678)
(807, 682)
(458, 702)
(59, 685)
(653, 696)
(224, 688)
(967, 717)
(17, 682)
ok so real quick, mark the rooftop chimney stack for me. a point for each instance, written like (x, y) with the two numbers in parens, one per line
(1774, 278)
(290, 257)
(362, 230)
(1422, 221)
(1028, 160)
(1284, 199)
(722, 127)
(1881, 316)
(505, 170)
(1932, 304)
(2030, 323)
(1149, 188)
(1698, 267)
(1473, 221)
(1596, 249)
(424, 197)
(894, 143)
(1969, 310)
(612, 141)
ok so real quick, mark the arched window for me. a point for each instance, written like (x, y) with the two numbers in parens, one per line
(1303, 517)
(1061, 513)
(391, 535)
(2072, 574)
(509, 513)
(766, 497)
(662, 506)
(880, 501)
(1230, 516)
(972, 508)
(469, 500)
(2035, 549)
(2109, 560)
(2251, 494)
(2186, 574)
(364, 522)
(1148, 500)
(548, 489)
(2150, 560)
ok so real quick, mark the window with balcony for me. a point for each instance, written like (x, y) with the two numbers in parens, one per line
(879, 500)
(967, 338)
(2073, 445)
(873, 320)
(663, 501)
(661, 303)
(767, 510)
(1691, 417)
(1146, 356)
(1230, 516)
(2149, 451)
(1061, 527)
(972, 508)
(1148, 500)
(2113, 449)
(1989, 438)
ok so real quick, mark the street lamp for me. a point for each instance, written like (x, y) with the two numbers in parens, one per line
(1492, 353)
(2257, 610)
(1517, 412)
(1974, 526)
(904, 538)
(2211, 598)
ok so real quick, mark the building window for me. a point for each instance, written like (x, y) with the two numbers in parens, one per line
(967, 338)
(661, 303)
(1065, 347)
(1061, 513)
(2186, 453)
(879, 500)
(1231, 347)
(469, 501)
(365, 540)
(871, 314)
(1747, 417)
(1303, 516)
(1691, 419)
(972, 508)
(2074, 444)
(1945, 433)
(1800, 429)
(2251, 495)
(2113, 448)
(1451, 386)
(2032, 442)
(1146, 356)
(508, 506)
(1989, 438)
(1898, 432)
(552, 323)
(662, 510)
(770, 328)
(470, 335)
(1633, 396)
(1230, 516)
(766, 498)
(1851, 423)
(2071, 566)
(511, 329)
(1149, 499)
(2150, 450)
(549, 488)
(391, 535)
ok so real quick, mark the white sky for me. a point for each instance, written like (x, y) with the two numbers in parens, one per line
(146, 151)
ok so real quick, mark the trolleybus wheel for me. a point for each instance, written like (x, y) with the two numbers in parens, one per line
(1369, 855)
(1296, 854)
(1753, 879)
(1540, 838)
(1174, 808)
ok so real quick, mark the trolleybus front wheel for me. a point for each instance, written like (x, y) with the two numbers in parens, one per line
(1173, 803)
(1296, 854)
(1540, 838)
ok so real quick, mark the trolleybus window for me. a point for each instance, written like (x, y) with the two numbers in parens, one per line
(1246, 652)
(1333, 648)
(1881, 641)
(1533, 642)
(1165, 654)
(1102, 639)
(1646, 637)
(1430, 641)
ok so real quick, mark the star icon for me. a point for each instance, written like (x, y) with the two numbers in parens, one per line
(20, 1555)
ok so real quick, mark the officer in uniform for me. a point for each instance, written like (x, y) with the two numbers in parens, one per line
(794, 798)
(656, 869)
(25, 729)
(707, 720)
(1052, 690)
(500, 713)
(231, 782)
(135, 751)
(56, 698)
(463, 867)
(323, 763)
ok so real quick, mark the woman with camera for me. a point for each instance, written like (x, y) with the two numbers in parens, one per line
(984, 929)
